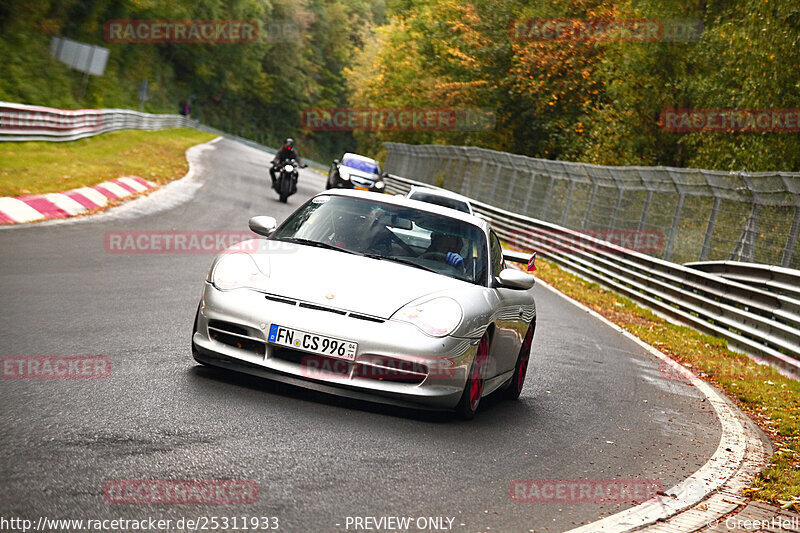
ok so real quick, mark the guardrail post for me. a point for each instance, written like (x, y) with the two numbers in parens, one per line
(712, 219)
(567, 203)
(548, 195)
(512, 184)
(791, 242)
(531, 179)
(591, 204)
(674, 229)
(493, 194)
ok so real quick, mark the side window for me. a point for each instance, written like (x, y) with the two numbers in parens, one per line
(497, 254)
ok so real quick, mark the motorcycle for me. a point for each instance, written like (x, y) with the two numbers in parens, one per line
(286, 182)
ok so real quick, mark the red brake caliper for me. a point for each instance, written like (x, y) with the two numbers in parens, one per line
(524, 356)
(476, 378)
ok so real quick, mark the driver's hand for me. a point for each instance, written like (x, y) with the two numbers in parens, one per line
(453, 259)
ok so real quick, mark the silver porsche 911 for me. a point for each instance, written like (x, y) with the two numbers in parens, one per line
(374, 297)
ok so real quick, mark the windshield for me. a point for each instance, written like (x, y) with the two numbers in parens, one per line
(443, 201)
(420, 239)
(359, 164)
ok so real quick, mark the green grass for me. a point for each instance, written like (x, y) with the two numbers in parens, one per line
(42, 167)
(771, 400)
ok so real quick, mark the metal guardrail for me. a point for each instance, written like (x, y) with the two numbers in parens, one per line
(775, 279)
(758, 322)
(19, 122)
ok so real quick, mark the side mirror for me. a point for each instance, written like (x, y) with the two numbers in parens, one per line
(263, 225)
(511, 278)
(336, 161)
(384, 175)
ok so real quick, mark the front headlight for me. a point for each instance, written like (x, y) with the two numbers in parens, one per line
(238, 270)
(288, 168)
(437, 317)
(344, 175)
(379, 185)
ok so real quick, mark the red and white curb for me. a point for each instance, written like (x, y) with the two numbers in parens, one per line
(34, 208)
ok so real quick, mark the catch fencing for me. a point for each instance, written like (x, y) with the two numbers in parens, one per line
(705, 215)
(762, 323)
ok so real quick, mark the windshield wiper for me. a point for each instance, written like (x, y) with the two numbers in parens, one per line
(402, 261)
(317, 244)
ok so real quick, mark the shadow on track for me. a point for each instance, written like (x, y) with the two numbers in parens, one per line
(493, 410)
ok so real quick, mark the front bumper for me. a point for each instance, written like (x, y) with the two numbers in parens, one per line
(395, 362)
(357, 182)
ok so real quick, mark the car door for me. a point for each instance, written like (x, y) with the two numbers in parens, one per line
(514, 307)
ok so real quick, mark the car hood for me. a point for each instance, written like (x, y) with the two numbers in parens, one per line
(347, 281)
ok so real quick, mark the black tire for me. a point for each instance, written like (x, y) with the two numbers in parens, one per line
(514, 388)
(473, 389)
(328, 184)
(285, 186)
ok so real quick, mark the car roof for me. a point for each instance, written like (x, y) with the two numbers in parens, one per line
(444, 193)
(416, 204)
(438, 192)
(358, 156)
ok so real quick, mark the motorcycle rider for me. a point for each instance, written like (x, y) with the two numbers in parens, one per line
(287, 151)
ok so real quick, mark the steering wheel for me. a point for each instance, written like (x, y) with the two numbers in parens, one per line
(436, 256)
(403, 245)
(442, 257)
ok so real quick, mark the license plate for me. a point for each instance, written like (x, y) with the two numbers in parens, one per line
(311, 342)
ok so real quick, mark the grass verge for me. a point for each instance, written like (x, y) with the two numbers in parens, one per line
(42, 167)
(772, 400)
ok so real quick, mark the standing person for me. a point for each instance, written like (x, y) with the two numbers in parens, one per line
(187, 110)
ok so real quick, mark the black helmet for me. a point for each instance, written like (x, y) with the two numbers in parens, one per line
(289, 142)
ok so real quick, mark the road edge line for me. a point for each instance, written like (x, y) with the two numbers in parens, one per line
(742, 453)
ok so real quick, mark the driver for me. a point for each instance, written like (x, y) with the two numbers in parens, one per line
(361, 233)
(449, 245)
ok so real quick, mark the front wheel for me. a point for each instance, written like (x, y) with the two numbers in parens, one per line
(473, 390)
(521, 368)
(284, 188)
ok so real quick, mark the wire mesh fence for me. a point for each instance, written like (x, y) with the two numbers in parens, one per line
(703, 215)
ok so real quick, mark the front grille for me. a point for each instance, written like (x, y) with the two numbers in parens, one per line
(322, 308)
(321, 367)
(362, 182)
(281, 299)
(325, 308)
(367, 318)
(391, 370)
(236, 336)
(313, 366)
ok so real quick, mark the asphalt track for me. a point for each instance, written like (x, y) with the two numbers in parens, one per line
(595, 406)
